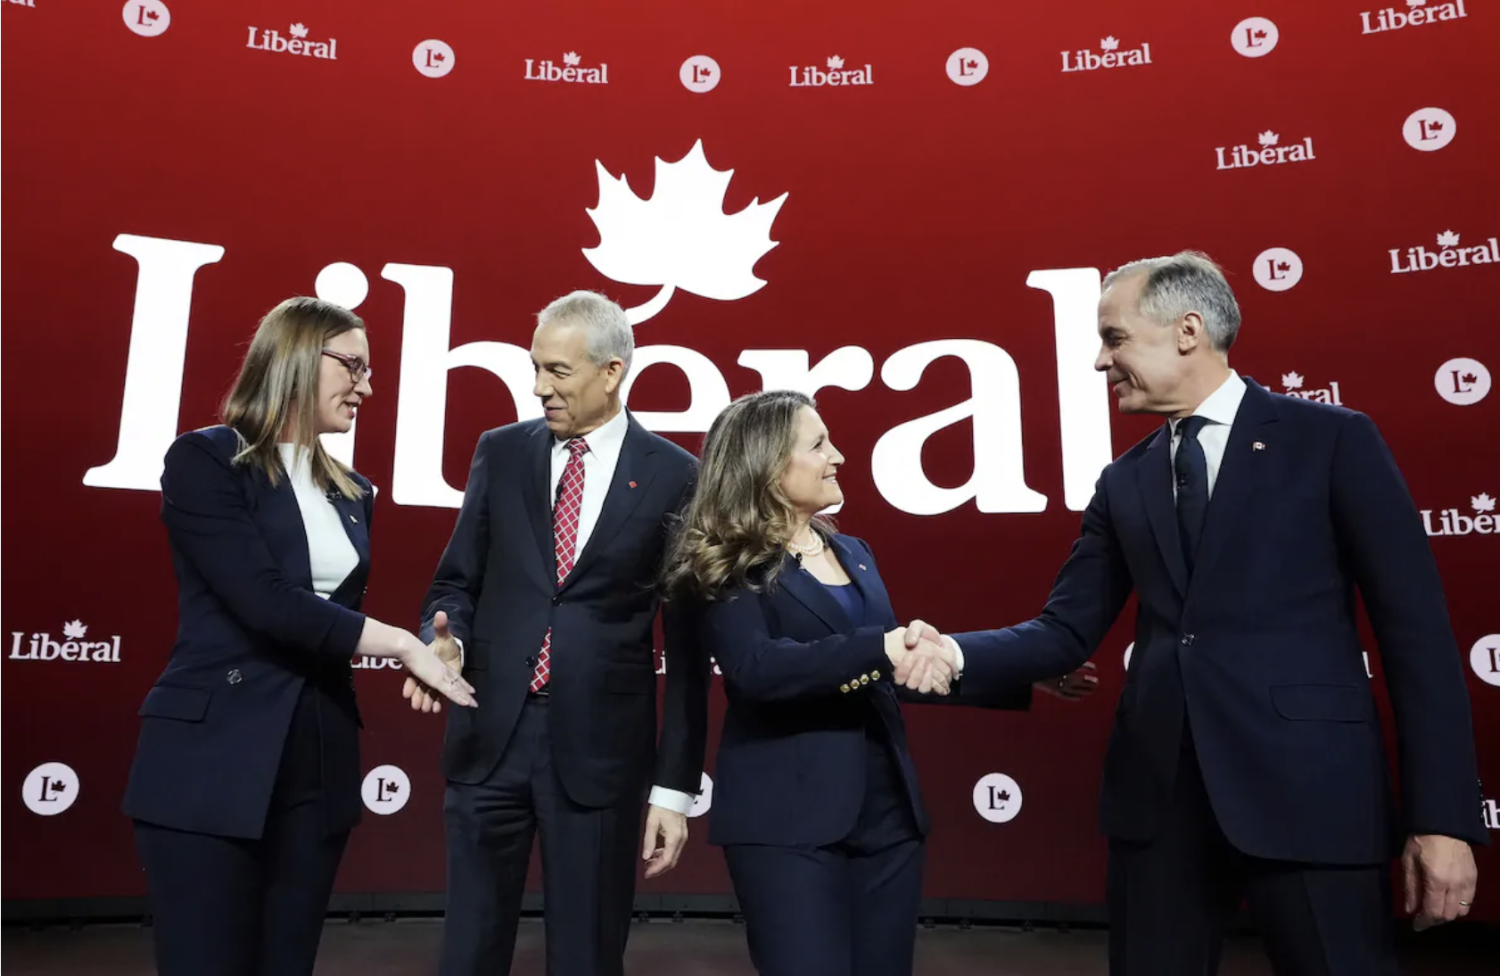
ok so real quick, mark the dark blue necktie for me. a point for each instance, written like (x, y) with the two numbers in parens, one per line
(1192, 486)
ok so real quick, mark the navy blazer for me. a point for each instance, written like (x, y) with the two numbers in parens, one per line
(799, 678)
(497, 581)
(1261, 646)
(251, 636)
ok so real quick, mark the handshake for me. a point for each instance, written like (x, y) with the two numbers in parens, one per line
(923, 659)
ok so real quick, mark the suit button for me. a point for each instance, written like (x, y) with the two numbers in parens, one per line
(874, 675)
(234, 677)
(1187, 639)
(531, 662)
(557, 601)
(864, 679)
(844, 689)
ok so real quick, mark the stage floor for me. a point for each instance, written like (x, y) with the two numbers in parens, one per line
(691, 948)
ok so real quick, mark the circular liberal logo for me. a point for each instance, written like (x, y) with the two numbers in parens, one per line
(967, 66)
(1462, 381)
(997, 797)
(705, 798)
(386, 790)
(432, 58)
(1255, 37)
(343, 284)
(1278, 269)
(148, 18)
(50, 789)
(699, 73)
(1429, 129)
(1484, 658)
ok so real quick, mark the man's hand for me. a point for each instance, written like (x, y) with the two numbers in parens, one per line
(670, 828)
(1072, 686)
(423, 698)
(1441, 877)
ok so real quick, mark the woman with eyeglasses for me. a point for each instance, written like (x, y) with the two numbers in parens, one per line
(246, 780)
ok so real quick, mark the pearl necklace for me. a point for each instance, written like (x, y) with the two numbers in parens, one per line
(813, 549)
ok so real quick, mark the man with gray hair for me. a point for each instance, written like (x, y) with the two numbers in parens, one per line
(543, 594)
(1246, 759)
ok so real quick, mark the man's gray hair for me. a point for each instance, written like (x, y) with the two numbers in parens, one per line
(1188, 281)
(608, 330)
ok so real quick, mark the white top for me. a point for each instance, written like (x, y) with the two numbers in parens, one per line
(329, 552)
(605, 443)
(1213, 437)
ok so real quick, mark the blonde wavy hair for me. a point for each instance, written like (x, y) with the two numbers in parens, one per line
(736, 526)
(277, 389)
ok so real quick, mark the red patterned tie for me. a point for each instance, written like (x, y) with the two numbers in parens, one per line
(564, 541)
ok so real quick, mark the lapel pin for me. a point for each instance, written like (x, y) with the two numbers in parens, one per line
(632, 484)
(861, 566)
(353, 519)
(1258, 446)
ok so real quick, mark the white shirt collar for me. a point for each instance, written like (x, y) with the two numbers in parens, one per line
(1222, 404)
(605, 439)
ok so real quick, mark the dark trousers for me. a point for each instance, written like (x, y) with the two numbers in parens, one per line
(846, 909)
(1171, 900)
(589, 861)
(236, 907)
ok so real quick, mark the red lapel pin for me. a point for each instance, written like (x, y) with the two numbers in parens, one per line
(632, 484)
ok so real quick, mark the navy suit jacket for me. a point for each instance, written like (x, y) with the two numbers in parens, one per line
(251, 636)
(799, 679)
(497, 583)
(1261, 648)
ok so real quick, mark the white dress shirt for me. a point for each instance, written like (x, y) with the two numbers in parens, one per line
(330, 554)
(1219, 409)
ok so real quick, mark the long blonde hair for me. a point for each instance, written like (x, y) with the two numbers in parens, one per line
(278, 388)
(739, 520)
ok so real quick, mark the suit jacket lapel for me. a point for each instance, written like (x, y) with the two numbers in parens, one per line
(539, 497)
(1154, 477)
(632, 479)
(811, 594)
(351, 516)
(877, 601)
(1238, 475)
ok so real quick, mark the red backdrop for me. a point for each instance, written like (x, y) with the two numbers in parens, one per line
(169, 179)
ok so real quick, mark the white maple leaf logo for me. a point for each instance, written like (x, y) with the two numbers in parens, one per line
(1269, 138)
(1447, 239)
(1482, 503)
(1292, 381)
(680, 237)
(835, 62)
(571, 59)
(298, 30)
(75, 629)
(1109, 43)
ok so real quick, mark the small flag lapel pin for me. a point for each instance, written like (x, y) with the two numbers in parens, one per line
(1258, 446)
(632, 484)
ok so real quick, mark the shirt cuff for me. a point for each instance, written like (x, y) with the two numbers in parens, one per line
(461, 659)
(958, 655)
(674, 800)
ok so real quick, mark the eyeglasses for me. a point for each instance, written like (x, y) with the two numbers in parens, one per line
(358, 369)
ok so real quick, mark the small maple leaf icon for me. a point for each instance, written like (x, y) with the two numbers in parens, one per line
(1436, 127)
(297, 30)
(1283, 266)
(680, 237)
(1292, 380)
(438, 56)
(393, 788)
(1003, 796)
(835, 62)
(58, 786)
(571, 59)
(1108, 43)
(75, 629)
(1260, 35)
(1482, 503)
(973, 63)
(1447, 239)
(1469, 378)
(1269, 138)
